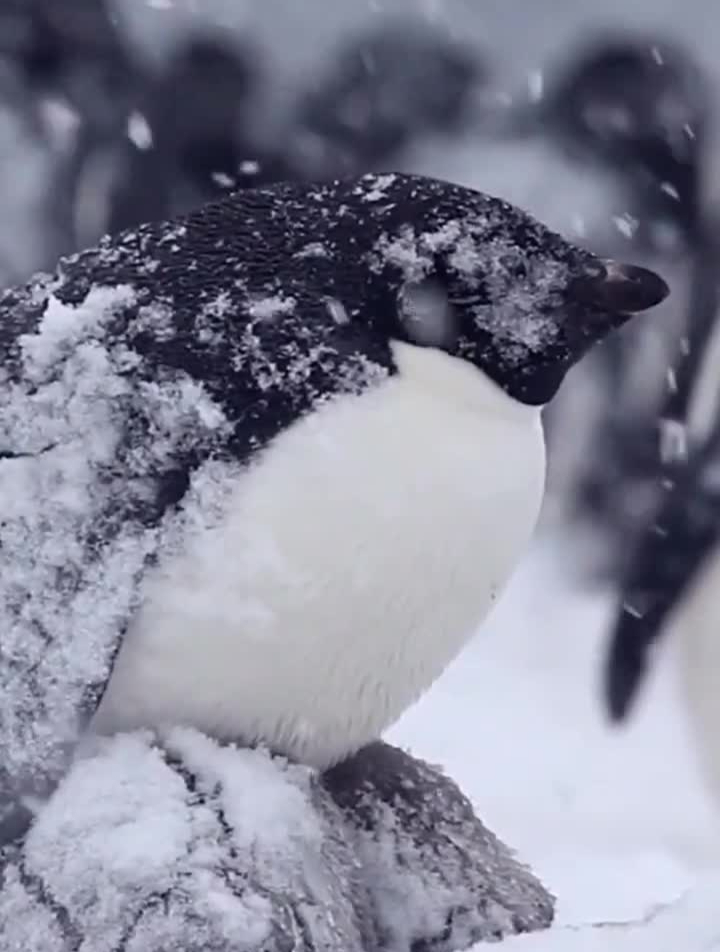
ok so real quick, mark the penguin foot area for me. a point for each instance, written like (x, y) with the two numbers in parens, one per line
(148, 845)
(439, 879)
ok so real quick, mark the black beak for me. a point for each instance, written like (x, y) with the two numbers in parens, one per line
(619, 288)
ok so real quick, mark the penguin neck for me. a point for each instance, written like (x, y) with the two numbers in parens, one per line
(458, 381)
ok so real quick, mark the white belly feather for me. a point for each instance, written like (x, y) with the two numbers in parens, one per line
(355, 560)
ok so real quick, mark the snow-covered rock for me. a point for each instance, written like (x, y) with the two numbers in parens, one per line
(151, 844)
(185, 845)
(439, 879)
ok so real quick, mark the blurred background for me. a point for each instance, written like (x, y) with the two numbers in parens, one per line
(601, 119)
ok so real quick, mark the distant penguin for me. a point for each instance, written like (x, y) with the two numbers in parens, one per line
(48, 55)
(73, 53)
(385, 87)
(673, 579)
(31, 239)
(179, 158)
(673, 584)
(265, 468)
(81, 78)
(637, 107)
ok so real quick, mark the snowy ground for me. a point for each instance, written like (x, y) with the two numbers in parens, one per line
(616, 823)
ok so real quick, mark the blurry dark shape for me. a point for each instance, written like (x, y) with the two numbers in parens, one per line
(31, 236)
(692, 347)
(78, 76)
(382, 88)
(70, 51)
(639, 106)
(195, 144)
(131, 142)
(684, 527)
(664, 565)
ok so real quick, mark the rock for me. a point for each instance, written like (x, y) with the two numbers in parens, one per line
(187, 846)
(439, 879)
(151, 844)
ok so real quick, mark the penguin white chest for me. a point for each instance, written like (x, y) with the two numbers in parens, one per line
(356, 558)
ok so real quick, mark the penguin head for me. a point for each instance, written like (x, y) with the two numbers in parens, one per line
(481, 279)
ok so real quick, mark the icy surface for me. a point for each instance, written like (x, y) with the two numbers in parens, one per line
(688, 923)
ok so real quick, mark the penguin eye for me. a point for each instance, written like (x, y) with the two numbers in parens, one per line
(426, 313)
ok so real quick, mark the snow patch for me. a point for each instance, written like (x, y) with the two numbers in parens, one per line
(78, 527)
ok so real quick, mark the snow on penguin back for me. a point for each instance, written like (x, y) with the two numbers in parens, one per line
(144, 372)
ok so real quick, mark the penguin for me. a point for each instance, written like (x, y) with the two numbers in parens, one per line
(78, 75)
(634, 110)
(672, 585)
(45, 58)
(29, 238)
(265, 468)
(202, 151)
(673, 573)
(74, 54)
(383, 89)
(638, 107)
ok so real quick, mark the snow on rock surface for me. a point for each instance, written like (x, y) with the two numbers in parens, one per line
(439, 878)
(182, 843)
(186, 846)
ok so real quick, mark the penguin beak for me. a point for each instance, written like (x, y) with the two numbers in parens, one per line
(622, 289)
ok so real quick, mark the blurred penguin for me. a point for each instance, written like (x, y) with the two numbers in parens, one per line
(59, 67)
(78, 74)
(672, 584)
(383, 88)
(638, 107)
(190, 140)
